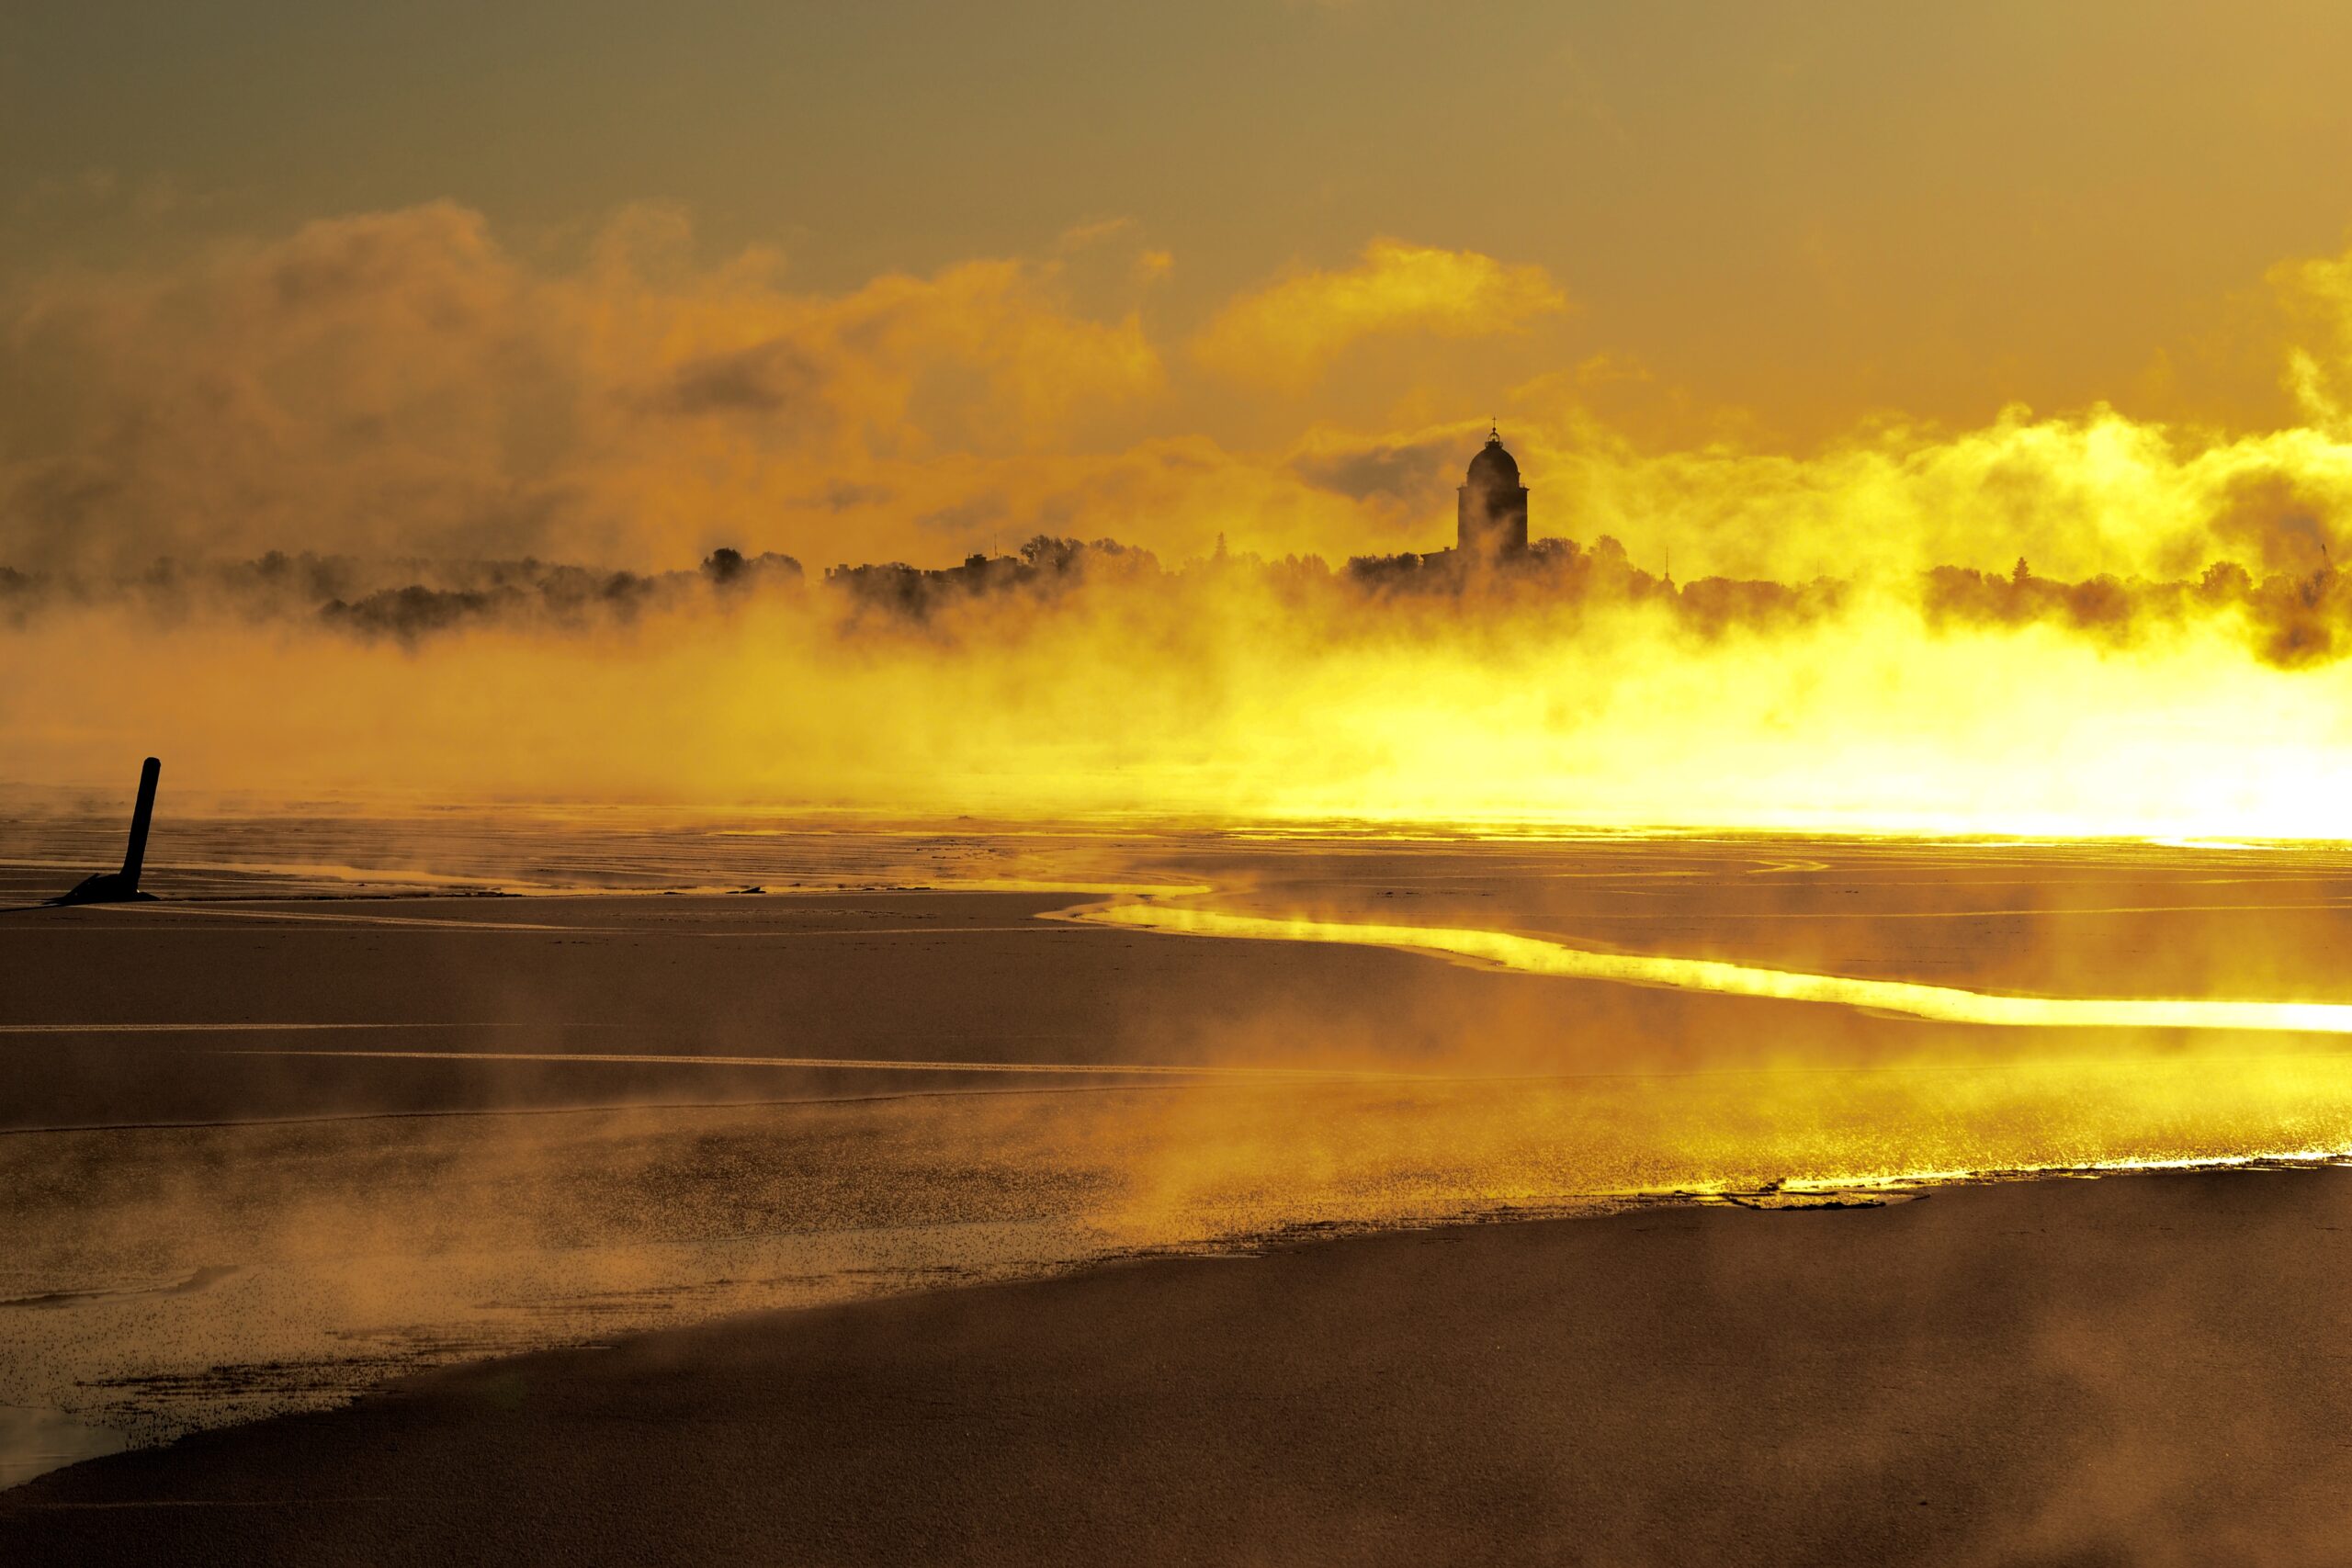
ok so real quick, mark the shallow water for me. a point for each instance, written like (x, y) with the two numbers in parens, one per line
(286, 1135)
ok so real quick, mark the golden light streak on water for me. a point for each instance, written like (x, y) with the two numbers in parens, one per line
(1940, 1004)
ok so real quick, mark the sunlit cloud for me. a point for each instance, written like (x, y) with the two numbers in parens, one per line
(2021, 626)
(406, 384)
(2317, 295)
(402, 383)
(1287, 334)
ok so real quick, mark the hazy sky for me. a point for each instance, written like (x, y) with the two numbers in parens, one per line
(1772, 219)
(1846, 290)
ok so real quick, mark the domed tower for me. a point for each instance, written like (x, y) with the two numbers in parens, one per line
(1492, 514)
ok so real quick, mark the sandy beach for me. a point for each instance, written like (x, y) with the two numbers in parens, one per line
(2142, 1369)
(910, 1208)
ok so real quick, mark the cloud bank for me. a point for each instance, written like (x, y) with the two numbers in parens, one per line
(406, 384)
(1289, 332)
(388, 504)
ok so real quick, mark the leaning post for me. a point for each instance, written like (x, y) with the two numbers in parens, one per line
(135, 856)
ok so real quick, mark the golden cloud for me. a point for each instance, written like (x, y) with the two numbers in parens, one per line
(2317, 295)
(1286, 334)
(404, 384)
(400, 383)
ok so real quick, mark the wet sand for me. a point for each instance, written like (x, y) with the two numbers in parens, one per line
(282, 1138)
(2141, 1369)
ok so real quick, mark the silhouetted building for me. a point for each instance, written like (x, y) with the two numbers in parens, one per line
(1493, 505)
(1490, 522)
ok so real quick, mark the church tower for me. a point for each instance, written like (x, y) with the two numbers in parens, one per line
(1492, 515)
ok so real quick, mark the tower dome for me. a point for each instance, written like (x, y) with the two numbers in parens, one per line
(1494, 468)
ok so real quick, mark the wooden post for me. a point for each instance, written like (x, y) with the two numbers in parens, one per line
(135, 857)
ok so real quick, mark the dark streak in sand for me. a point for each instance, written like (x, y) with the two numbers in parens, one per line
(203, 1279)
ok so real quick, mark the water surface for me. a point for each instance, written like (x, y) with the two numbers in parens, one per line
(365, 1095)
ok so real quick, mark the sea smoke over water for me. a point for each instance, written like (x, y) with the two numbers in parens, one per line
(1220, 690)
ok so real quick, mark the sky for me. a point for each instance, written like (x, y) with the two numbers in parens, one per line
(1759, 290)
(1764, 223)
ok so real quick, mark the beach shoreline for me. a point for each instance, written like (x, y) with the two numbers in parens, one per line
(2138, 1368)
(334, 1189)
